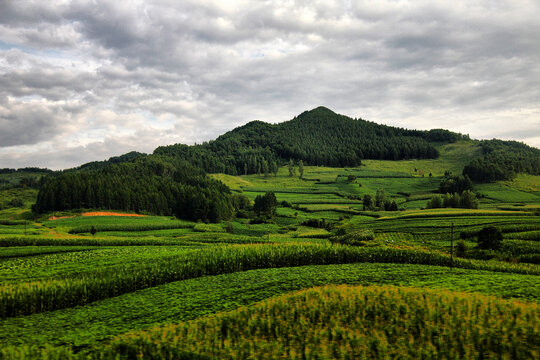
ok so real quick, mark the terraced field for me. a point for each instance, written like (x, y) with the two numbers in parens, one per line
(213, 290)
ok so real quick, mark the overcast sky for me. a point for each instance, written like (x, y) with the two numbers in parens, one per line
(86, 80)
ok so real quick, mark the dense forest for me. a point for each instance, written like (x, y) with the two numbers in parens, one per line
(317, 137)
(150, 184)
(502, 160)
(96, 165)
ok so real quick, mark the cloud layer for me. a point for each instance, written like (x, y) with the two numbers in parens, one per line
(86, 80)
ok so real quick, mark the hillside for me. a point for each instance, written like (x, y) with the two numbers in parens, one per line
(317, 137)
(172, 180)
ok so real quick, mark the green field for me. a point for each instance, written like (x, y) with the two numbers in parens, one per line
(138, 279)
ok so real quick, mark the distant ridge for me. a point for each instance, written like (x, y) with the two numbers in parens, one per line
(317, 137)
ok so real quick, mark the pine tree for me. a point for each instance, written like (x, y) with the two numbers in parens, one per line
(292, 170)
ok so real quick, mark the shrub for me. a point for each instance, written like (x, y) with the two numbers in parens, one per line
(490, 237)
(265, 205)
(461, 248)
(16, 203)
(356, 238)
(318, 223)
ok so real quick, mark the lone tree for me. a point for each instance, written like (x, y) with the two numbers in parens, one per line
(292, 170)
(367, 202)
(380, 197)
(301, 168)
(275, 168)
(490, 237)
(265, 205)
(93, 230)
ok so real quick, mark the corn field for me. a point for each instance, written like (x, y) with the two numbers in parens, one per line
(343, 322)
(30, 297)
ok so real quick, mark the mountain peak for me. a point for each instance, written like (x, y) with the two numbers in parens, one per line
(320, 110)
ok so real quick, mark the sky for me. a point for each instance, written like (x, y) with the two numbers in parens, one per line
(86, 80)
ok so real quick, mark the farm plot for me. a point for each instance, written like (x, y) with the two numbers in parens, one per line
(86, 326)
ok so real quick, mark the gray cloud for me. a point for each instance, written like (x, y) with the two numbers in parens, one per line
(104, 75)
(24, 124)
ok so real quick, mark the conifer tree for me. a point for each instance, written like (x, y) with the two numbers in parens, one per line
(292, 170)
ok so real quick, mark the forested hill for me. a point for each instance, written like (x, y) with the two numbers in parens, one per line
(150, 184)
(317, 137)
(502, 160)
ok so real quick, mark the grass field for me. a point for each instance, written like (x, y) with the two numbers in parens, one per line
(137, 273)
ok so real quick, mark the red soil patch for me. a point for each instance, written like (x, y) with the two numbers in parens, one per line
(108, 213)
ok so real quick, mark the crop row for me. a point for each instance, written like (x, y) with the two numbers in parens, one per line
(15, 252)
(130, 227)
(520, 231)
(344, 322)
(193, 238)
(453, 213)
(12, 222)
(520, 247)
(189, 299)
(38, 296)
(527, 235)
(86, 241)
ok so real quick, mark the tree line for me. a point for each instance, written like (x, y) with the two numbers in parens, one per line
(151, 184)
(502, 160)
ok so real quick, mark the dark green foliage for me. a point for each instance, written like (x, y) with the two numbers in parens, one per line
(390, 205)
(317, 137)
(490, 237)
(442, 135)
(355, 238)
(367, 202)
(467, 200)
(502, 160)
(241, 202)
(318, 223)
(461, 248)
(292, 171)
(16, 203)
(93, 230)
(96, 165)
(301, 168)
(451, 200)
(26, 169)
(380, 197)
(435, 203)
(455, 184)
(149, 184)
(29, 177)
(265, 205)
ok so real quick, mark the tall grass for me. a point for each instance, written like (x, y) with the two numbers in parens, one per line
(343, 322)
(86, 241)
(130, 227)
(38, 296)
